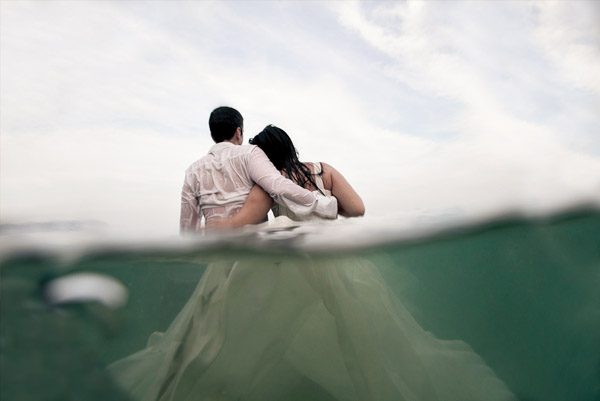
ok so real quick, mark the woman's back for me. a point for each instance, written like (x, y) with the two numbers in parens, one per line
(316, 169)
(320, 177)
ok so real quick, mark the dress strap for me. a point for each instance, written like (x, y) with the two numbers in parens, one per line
(318, 174)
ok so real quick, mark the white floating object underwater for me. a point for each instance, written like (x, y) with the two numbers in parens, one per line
(87, 287)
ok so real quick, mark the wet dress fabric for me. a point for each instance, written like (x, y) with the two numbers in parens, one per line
(302, 328)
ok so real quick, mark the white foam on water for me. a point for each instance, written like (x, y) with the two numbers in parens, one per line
(86, 287)
(281, 233)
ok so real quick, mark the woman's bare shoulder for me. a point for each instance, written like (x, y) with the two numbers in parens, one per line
(349, 202)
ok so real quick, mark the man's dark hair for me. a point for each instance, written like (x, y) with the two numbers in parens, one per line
(223, 122)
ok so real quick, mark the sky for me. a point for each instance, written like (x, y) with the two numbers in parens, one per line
(427, 108)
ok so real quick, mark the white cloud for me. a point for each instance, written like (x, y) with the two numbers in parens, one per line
(569, 33)
(129, 179)
(443, 50)
(423, 106)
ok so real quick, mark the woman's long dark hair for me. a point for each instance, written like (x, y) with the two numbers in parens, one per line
(280, 149)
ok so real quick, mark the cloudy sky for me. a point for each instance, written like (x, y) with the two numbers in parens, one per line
(426, 107)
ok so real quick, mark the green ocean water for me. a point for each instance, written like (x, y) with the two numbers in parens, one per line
(523, 293)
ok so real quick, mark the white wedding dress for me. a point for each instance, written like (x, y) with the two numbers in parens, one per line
(299, 328)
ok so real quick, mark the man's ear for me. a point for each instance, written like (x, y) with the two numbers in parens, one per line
(238, 136)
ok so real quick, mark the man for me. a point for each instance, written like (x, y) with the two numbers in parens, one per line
(218, 184)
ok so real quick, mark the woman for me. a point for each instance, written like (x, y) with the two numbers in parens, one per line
(359, 342)
(321, 177)
(297, 328)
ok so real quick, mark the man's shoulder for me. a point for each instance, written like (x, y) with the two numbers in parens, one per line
(197, 164)
(233, 152)
(221, 154)
(243, 149)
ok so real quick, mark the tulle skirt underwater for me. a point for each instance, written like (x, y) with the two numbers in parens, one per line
(302, 329)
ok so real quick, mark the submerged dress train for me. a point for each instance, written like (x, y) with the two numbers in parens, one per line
(302, 328)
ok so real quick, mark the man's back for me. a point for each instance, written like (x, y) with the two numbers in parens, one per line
(218, 184)
(220, 181)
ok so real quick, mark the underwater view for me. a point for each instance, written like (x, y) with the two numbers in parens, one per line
(514, 297)
(299, 200)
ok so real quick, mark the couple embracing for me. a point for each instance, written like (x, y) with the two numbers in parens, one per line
(236, 184)
(294, 327)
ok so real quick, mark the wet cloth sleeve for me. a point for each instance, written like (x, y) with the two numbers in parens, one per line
(189, 220)
(300, 201)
